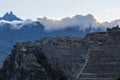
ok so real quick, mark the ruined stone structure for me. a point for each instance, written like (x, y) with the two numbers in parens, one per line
(103, 56)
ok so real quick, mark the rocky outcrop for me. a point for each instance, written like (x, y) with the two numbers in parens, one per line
(96, 57)
(46, 59)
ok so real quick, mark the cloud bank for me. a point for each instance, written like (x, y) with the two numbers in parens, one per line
(16, 24)
(83, 22)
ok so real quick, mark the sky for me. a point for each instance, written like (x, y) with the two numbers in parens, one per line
(102, 10)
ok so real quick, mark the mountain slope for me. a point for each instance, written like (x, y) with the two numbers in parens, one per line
(31, 61)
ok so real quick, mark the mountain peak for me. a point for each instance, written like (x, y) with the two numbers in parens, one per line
(11, 13)
(10, 17)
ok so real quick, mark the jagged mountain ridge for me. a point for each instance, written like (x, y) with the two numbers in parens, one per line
(10, 17)
(93, 57)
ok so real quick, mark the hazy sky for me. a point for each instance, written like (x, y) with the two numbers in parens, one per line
(103, 10)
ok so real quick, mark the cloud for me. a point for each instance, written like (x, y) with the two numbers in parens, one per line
(82, 21)
(110, 24)
(16, 24)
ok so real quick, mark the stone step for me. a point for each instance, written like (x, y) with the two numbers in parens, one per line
(73, 56)
(99, 75)
(73, 59)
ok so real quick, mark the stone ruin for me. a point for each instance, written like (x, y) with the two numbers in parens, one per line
(103, 61)
(114, 29)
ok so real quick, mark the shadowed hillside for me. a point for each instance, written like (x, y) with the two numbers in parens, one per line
(95, 57)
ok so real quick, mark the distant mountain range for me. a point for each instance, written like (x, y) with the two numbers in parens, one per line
(13, 29)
